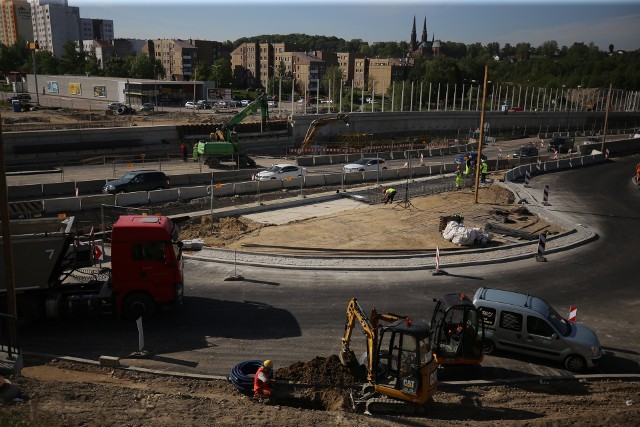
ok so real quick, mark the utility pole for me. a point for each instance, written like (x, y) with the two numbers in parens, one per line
(484, 100)
(32, 46)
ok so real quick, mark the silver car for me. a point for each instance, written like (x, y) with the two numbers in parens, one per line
(366, 164)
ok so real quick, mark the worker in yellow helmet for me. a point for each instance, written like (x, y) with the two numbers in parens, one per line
(263, 381)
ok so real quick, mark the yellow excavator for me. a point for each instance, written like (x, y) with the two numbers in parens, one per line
(458, 331)
(319, 122)
(401, 371)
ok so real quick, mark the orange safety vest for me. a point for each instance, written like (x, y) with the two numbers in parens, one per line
(258, 384)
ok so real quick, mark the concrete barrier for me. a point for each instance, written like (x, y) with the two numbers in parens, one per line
(200, 178)
(333, 178)
(294, 183)
(321, 160)
(350, 178)
(90, 187)
(222, 190)
(403, 173)
(179, 180)
(249, 187)
(304, 161)
(130, 199)
(587, 160)
(371, 175)
(270, 185)
(188, 193)
(563, 164)
(389, 174)
(59, 188)
(397, 155)
(163, 196)
(19, 192)
(337, 159)
(95, 201)
(314, 181)
(421, 171)
(67, 204)
(551, 166)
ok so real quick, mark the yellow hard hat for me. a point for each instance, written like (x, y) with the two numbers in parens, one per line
(267, 364)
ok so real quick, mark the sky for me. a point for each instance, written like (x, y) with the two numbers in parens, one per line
(602, 22)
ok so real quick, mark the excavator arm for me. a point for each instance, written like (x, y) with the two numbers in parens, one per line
(259, 103)
(370, 329)
(319, 122)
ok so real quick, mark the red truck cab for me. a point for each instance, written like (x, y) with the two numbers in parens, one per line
(147, 265)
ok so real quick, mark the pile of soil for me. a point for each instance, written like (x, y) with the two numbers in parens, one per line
(323, 371)
(216, 232)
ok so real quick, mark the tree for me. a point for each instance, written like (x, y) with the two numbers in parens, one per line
(73, 59)
(331, 81)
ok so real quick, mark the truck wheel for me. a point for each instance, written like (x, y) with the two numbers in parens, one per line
(138, 304)
(212, 162)
(27, 310)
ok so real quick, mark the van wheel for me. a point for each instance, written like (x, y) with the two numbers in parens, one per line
(138, 304)
(575, 363)
(488, 347)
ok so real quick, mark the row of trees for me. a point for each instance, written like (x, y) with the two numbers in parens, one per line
(547, 65)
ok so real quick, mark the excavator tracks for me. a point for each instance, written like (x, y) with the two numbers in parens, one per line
(386, 406)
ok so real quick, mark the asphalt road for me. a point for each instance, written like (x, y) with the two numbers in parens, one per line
(291, 316)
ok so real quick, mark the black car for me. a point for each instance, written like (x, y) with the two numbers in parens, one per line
(20, 97)
(144, 180)
(469, 155)
(560, 144)
(526, 151)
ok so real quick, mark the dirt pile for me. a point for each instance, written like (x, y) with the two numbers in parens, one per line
(218, 232)
(322, 371)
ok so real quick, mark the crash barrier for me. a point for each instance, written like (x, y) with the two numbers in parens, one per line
(68, 204)
(94, 202)
(188, 193)
(130, 199)
(164, 196)
(552, 165)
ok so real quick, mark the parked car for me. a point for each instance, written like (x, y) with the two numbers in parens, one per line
(366, 164)
(326, 101)
(221, 104)
(525, 324)
(193, 106)
(529, 150)
(142, 180)
(147, 106)
(115, 105)
(20, 97)
(281, 171)
(272, 103)
(460, 159)
(561, 144)
(204, 104)
(245, 102)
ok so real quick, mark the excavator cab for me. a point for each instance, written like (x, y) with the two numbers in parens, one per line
(404, 361)
(457, 330)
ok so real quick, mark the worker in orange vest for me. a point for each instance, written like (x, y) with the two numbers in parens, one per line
(263, 381)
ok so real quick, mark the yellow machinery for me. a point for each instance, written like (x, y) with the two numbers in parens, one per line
(458, 331)
(401, 371)
(319, 122)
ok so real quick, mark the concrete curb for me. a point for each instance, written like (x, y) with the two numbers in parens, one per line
(576, 235)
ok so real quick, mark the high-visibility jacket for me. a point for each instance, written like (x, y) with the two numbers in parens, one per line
(262, 380)
(459, 179)
(485, 168)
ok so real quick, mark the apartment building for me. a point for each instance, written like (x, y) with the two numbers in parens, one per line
(384, 71)
(54, 23)
(15, 21)
(178, 57)
(209, 51)
(308, 71)
(347, 64)
(245, 65)
(96, 29)
(103, 50)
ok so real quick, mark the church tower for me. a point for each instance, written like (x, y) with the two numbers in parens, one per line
(414, 35)
(424, 40)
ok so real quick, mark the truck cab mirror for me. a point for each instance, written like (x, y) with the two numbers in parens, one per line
(180, 244)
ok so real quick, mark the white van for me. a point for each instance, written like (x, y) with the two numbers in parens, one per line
(526, 324)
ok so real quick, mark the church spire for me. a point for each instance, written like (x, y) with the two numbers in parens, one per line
(414, 36)
(424, 38)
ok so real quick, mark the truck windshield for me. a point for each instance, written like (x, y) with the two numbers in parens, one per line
(559, 322)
